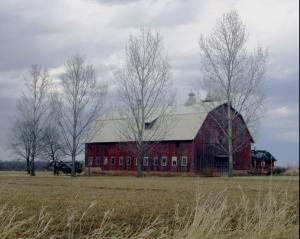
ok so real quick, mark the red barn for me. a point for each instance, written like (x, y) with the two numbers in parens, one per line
(195, 144)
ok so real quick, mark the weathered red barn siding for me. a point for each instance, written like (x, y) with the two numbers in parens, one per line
(206, 147)
(165, 149)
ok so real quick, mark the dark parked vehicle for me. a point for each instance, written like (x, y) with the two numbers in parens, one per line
(65, 167)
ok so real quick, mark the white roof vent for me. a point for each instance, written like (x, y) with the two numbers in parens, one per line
(191, 99)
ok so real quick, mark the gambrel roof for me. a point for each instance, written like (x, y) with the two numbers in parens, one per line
(186, 120)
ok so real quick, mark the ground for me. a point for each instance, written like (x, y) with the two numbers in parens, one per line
(131, 199)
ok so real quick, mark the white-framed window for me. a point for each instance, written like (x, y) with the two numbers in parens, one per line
(121, 160)
(183, 161)
(105, 161)
(263, 163)
(145, 161)
(174, 161)
(164, 161)
(112, 160)
(128, 161)
(98, 160)
(155, 161)
(90, 161)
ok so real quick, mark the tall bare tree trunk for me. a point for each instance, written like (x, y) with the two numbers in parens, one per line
(32, 168)
(73, 173)
(139, 162)
(139, 167)
(73, 156)
(230, 151)
(28, 165)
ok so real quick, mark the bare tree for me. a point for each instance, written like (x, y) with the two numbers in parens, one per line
(144, 89)
(20, 141)
(53, 145)
(233, 75)
(32, 117)
(80, 102)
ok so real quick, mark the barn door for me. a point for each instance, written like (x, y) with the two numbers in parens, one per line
(221, 165)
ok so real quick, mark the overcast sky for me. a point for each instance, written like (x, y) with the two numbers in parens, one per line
(48, 32)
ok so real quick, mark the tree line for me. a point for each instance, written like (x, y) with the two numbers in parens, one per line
(53, 118)
(17, 165)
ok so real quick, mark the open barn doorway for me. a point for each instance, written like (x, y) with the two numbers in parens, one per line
(221, 165)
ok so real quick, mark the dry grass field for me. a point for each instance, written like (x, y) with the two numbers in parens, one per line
(48, 206)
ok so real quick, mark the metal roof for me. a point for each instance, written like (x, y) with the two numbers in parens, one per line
(184, 120)
(262, 155)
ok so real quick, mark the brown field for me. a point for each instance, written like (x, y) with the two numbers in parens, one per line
(48, 206)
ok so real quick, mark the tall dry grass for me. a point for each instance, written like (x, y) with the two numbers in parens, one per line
(212, 216)
(291, 171)
(267, 217)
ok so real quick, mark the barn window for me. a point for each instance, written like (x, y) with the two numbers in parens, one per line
(263, 163)
(121, 160)
(128, 161)
(183, 161)
(145, 161)
(164, 161)
(98, 160)
(105, 161)
(147, 125)
(90, 162)
(155, 161)
(174, 161)
(112, 160)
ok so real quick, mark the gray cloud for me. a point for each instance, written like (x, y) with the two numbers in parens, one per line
(115, 2)
(48, 32)
(165, 14)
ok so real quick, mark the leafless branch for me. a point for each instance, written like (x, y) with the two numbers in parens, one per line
(144, 90)
(78, 105)
(233, 75)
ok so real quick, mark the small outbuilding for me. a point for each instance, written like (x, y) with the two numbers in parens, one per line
(262, 161)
